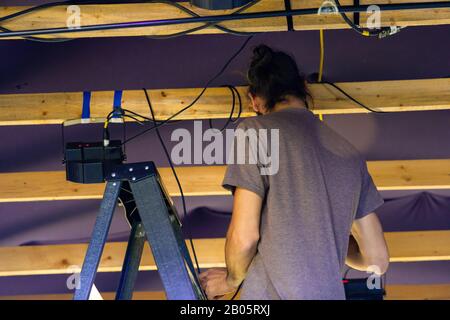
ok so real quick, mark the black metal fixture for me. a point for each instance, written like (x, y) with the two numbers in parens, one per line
(219, 4)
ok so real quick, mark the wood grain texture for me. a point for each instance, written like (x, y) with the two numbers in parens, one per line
(389, 96)
(393, 292)
(207, 180)
(417, 292)
(418, 246)
(52, 185)
(113, 13)
(410, 174)
(102, 14)
(57, 259)
(60, 259)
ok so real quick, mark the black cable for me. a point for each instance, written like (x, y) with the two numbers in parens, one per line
(353, 25)
(144, 117)
(167, 2)
(346, 272)
(237, 291)
(37, 39)
(351, 98)
(134, 118)
(235, 93)
(233, 105)
(207, 25)
(227, 17)
(33, 9)
(240, 105)
(163, 122)
(183, 200)
(381, 32)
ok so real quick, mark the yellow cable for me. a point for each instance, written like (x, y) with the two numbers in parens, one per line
(322, 55)
(322, 58)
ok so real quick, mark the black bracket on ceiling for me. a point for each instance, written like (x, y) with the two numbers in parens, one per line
(356, 15)
(219, 4)
(289, 19)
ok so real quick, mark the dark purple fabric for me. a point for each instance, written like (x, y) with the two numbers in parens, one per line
(422, 211)
(62, 222)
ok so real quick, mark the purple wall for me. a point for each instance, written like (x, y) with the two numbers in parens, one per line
(132, 63)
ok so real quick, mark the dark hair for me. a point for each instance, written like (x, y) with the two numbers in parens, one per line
(273, 75)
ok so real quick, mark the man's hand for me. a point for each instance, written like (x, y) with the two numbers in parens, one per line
(240, 247)
(215, 283)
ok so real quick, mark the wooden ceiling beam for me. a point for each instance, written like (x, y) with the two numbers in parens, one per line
(393, 292)
(50, 186)
(57, 259)
(388, 96)
(207, 180)
(107, 13)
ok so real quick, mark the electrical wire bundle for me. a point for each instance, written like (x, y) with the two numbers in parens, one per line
(30, 10)
(207, 21)
(166, 2)
(208, 84)
(368, 32)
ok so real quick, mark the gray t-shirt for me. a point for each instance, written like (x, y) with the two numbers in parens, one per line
(321, 186)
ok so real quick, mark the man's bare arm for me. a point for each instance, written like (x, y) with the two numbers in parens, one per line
(367, 246)
(242, 235)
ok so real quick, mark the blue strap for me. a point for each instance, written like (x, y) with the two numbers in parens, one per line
(86, 112)
(117, 106)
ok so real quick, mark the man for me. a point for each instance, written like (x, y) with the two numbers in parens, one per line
(293, 231)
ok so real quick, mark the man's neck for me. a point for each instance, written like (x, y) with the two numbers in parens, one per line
(290, 102)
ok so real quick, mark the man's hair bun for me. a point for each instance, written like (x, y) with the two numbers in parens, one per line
(262, 56)
(273, 75)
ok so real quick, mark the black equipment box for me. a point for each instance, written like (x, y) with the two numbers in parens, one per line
(356, 289)
(89, 162)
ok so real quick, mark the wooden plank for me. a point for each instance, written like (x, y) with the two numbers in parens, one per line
(410, 174)
(418, 246)
(54, 108)
(389, 96)
(137, 295)
(101, 14)
(393, 292)
(59, 259)
(206, 181)
(113, 13)
(49, 186)
(56, 259)
(403, 18)
(417, 292)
